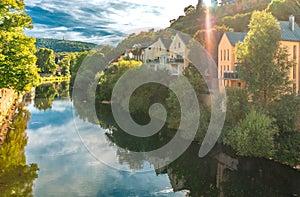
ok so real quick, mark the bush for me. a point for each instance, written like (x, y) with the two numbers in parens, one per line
(289, 149)
(286, 113)
(253, 136)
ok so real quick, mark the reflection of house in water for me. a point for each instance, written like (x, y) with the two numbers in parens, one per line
(224, 162)
(220, 174)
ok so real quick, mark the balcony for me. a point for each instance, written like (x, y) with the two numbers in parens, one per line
(155, 61)
(231, 75)
(175, 60)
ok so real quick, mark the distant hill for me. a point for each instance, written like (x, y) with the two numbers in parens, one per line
(64, 45)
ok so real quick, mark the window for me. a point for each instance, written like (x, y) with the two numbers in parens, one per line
(228, 67)
(221, 55)
(294, 71)
(228, 54)
(221, 74)
(294, 52)
(179, 44)
(224, 55)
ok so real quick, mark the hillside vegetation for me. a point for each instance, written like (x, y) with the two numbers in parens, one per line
(63, 45)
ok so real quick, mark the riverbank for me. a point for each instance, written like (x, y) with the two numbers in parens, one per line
(54, 79)
(9, 101)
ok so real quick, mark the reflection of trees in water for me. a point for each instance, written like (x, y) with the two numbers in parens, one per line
(63, 90)
(218, 174)
(45, 94)
(261, 177)
(16, 178)
(127, 143)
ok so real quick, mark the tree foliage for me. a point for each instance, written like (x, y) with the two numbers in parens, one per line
(111, 75)
(46, 60)
(237, 107)
(59, 46)
(282, 9)
(263, 63)
(17, 60)
(238, 22)
(201, 90)
(189, 10)
(210, 39)
(288, 149)
(286, 112)
(253, 136)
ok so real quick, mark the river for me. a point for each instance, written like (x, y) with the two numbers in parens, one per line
(70, 164)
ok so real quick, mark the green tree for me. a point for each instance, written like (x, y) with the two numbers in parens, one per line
(286, 112)
(263, 63)
(65, 65)
(201, 90)
(253, 136)
(189, 10)
(210, 39)
(238, 22)
(282, 9)
(111, 75)
(288, 149)
(46, 60)
(236, 109)
(17, 60)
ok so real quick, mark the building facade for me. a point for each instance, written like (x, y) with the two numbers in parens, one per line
(227, 62)
(168, 54)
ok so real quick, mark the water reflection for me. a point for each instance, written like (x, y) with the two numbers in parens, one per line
(68, 169)
(221, 173)
(16, 177)
(45, 94)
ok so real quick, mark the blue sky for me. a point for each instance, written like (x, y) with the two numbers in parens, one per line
(100, 21)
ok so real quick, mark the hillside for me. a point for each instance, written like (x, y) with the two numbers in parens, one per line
(63, 45)
(236, 15)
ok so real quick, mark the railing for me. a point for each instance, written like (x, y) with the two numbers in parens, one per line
(175, 60)
(156, 61)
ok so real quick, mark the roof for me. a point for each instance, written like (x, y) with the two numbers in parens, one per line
(287, 33)
(185, 38)
(235, 37)
(166, 42)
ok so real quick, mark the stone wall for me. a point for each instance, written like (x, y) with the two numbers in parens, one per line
(8, 102)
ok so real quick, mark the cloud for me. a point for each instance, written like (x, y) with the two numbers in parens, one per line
(68, 169)
(99, 21)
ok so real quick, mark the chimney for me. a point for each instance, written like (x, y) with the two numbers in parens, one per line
(292, 23)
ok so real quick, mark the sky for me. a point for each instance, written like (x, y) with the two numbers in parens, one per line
(100, 21)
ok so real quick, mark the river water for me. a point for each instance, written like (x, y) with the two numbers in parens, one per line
(69, 166)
